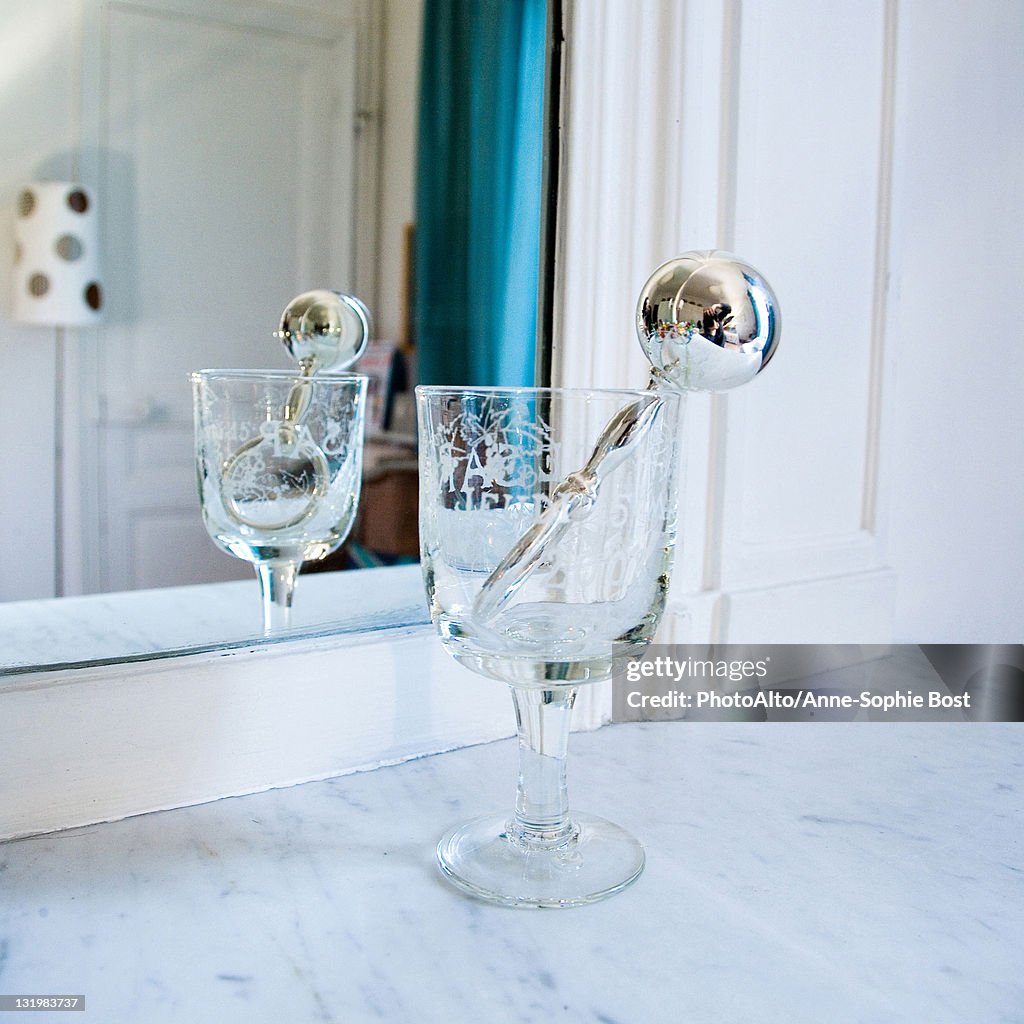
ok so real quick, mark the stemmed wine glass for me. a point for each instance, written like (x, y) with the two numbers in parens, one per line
(491, 462)
(279, 464)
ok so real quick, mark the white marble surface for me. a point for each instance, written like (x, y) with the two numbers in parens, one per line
(796, 872)
(103, 627)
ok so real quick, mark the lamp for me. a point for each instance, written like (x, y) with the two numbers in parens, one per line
(56, 262)
(57, 284)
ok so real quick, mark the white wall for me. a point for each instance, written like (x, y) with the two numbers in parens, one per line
(37, 69)
(956, 444)
(403, 30)
(865, 154)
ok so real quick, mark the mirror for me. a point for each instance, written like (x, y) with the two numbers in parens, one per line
(239, 154)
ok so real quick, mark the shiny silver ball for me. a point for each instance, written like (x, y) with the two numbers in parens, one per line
(324, 330)
(708, 321)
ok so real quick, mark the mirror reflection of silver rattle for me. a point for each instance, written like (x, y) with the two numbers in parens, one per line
(276, 481)
(707, 321)
(324, 330)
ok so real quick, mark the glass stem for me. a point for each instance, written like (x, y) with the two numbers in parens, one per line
(542, 799)
(277, 585)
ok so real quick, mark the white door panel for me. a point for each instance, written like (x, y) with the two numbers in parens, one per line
(811, 130)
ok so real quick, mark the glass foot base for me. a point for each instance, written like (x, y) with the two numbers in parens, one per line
(482, 859)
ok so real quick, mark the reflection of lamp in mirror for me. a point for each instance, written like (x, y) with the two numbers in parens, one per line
(56, 256)
(57, 284)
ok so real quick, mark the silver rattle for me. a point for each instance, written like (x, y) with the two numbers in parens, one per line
(707, 321)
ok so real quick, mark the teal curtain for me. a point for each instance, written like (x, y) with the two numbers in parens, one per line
(478, 190)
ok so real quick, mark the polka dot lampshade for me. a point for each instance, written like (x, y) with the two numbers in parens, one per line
(56, 262)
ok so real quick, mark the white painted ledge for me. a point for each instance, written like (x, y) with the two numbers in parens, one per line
(103, 743)
(84, 743)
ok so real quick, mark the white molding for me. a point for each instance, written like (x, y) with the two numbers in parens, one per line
(854, 608)
(871, 520)
(606, 247)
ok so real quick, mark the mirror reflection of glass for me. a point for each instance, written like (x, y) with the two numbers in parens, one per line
(238, 157)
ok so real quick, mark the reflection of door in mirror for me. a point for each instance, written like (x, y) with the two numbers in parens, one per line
(212, 227)
(233, 149)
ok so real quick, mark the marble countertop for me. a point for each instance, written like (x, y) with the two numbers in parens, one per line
(826, 872)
